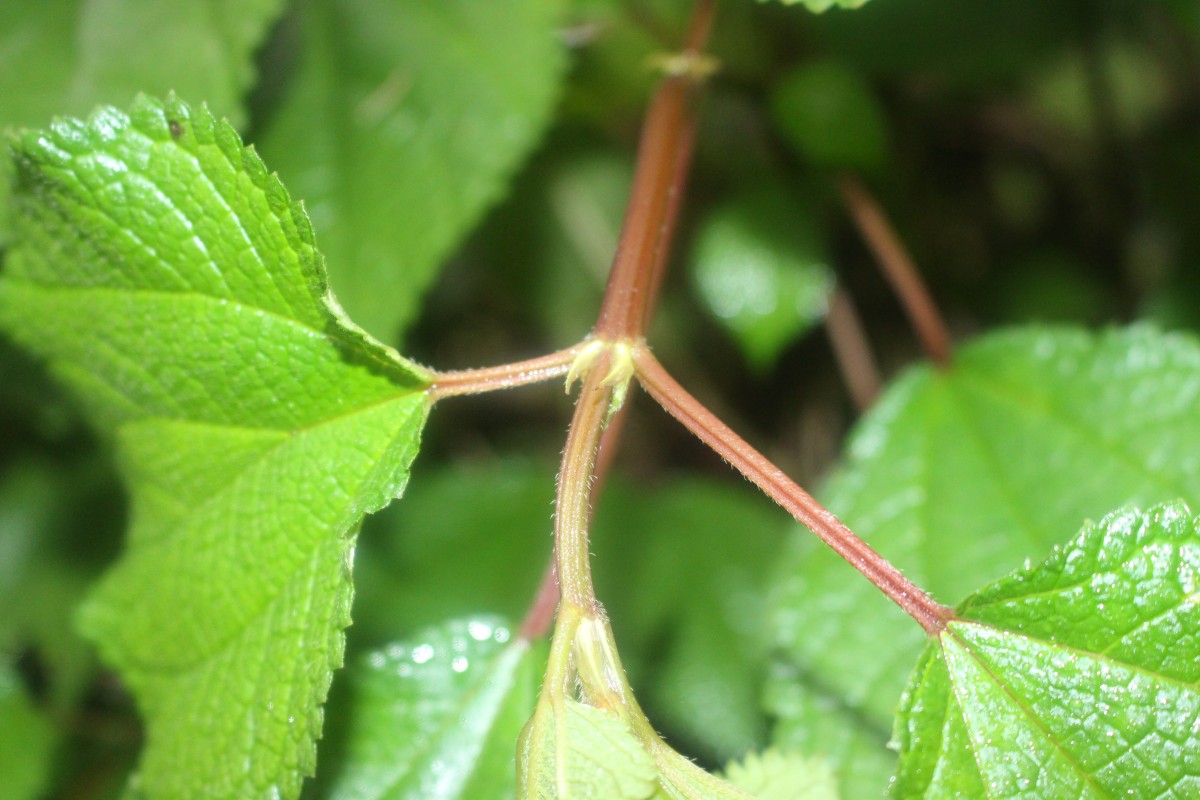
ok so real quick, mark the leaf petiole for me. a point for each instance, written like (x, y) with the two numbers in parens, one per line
(658, 383)
(505, 376)
(898, 267)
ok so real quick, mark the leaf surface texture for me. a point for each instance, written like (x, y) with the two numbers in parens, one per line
(172, 283)
(1077, 678)
(955, 476)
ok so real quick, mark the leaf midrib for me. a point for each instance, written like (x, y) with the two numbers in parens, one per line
(1157, 677)
(1018, 702)
(319, 337)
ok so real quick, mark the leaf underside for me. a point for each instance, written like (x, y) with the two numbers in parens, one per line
(171, 282)
(1077, 678)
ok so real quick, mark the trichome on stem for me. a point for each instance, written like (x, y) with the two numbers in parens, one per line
(655, 198)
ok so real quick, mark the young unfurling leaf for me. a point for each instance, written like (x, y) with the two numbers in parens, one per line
(573, 750)
(592, 740)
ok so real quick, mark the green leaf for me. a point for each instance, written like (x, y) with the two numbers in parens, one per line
(761, 269)
(775, 775)
(26, 741)
(173, 284)
(436, 718)
(402, 124)
(828, 114)
(68, 56)
(573, 750)
(1079, 677)
(954, 474)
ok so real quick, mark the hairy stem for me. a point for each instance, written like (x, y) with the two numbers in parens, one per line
(931, 615)
(898, 267)
(664, 154)
(505, 376)
(572, 506)
(540, 615)
(662, 163)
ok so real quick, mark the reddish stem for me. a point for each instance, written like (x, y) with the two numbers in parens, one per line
(898, 267)
(540, 616)
(663, 158)
(683, 157)
(931, 615)
(662, 163)
(852, 351)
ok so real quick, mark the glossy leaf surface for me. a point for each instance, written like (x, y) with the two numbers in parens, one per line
(1079, 677)
(401, 125)
(436, 718)
(171, 282)
(954, 476)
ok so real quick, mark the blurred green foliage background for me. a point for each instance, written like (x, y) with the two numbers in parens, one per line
(1040, 159)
